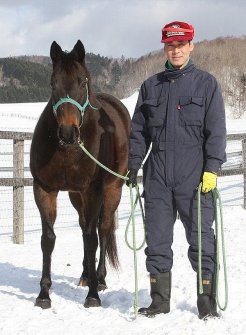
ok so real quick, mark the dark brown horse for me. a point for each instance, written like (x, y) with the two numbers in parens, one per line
(74, 114)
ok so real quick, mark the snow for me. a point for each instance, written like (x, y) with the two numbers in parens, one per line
(20, 265)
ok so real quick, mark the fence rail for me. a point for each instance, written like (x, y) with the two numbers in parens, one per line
(236, 137)
(15, 135)
(18, 181)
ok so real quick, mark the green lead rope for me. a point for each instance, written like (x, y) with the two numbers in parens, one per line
(131, 219)
(135, 304)
(133, 246)
(217, 200)
(100, 164)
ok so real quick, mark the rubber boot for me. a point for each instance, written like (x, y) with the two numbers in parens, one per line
(206, 302)
(160, 292)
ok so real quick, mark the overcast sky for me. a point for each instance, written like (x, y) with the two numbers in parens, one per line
(111, 27)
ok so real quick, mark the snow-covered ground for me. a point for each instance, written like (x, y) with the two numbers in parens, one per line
(20, 265)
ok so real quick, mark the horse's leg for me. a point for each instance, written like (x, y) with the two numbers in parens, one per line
(106, 230)
(83, 280)
(101, 269)
(91, 243)
(76, 201)
(92, 211)
(46, 203)
(88, 219)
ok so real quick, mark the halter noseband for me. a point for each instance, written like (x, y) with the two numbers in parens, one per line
(81, 108)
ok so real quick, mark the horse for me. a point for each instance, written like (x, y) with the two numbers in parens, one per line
(73, 115)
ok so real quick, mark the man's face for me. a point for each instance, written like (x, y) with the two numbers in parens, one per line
(178, 52)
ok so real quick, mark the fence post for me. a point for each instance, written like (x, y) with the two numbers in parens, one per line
(244, 171)
(18, 191)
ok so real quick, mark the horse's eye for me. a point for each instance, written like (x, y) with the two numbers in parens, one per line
(52, 83)
(82, 81)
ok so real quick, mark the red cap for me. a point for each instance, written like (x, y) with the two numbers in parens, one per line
(177, 31)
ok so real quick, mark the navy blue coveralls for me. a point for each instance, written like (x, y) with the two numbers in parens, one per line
(181, 112)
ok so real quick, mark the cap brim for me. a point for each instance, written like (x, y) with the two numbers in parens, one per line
(176, 38)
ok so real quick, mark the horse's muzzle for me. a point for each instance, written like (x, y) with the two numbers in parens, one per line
(68, 135)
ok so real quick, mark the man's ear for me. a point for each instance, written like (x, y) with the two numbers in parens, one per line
(165, 50)
(191, 46)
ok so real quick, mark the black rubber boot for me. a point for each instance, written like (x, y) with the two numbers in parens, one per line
(160, 292)
(206, 302)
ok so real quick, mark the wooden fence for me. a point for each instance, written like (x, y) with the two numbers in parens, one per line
(18, 182)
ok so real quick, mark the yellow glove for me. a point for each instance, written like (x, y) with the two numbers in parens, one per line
(209, 181)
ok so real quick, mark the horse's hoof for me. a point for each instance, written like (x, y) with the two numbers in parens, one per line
(101, 287)
(43, 303)
(92, 302)
(83, 281)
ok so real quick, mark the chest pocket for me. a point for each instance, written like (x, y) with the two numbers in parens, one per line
(192, 110)
(155, 110)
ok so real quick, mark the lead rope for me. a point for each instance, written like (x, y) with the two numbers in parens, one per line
(100, 164)
(133, 246)
(135, 249)
(131, 219)
(216, 199)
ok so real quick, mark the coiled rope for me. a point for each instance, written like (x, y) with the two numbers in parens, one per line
(133, 246)
(218, 231)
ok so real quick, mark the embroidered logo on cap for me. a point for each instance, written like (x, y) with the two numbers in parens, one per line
(175, 33)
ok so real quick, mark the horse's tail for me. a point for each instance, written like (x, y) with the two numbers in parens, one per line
(111, 248)
(111, 245)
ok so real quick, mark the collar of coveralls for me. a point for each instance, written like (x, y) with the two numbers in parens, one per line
(172, 72)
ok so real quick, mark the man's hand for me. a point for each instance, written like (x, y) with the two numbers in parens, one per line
(209, 181)
(132, 175)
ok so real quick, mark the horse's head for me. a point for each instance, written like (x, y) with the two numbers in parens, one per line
(70, 91)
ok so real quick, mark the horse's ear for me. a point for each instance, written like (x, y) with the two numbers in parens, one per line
(79, 52)
(55, 52)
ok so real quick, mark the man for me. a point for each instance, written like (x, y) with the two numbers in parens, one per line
(181, 112)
